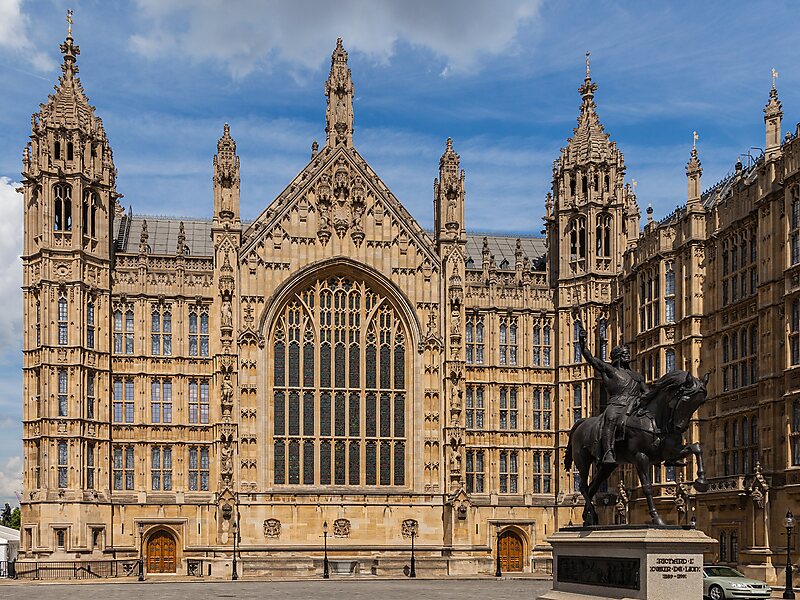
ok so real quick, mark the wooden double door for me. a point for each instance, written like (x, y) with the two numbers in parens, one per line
(511, 548)
(161, 549)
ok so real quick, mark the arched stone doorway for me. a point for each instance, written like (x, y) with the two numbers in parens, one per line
(161, 552)
(511, 552)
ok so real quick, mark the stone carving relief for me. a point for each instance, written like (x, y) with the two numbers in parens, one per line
(226, 396)
(409, 527)
(272, 528)
(341, 528)
(341, 202)
(226, 460)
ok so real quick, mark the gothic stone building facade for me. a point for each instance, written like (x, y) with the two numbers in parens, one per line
(334, 363)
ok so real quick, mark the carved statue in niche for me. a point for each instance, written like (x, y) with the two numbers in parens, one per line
(455, 463)
(226, 463)
(455, 323)
(227, 313)
(227, 396)
(455, 397)
(450, 215)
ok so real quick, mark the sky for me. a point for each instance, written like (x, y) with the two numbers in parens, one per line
(498, 77)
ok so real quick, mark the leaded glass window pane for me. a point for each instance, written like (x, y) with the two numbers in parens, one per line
(399, 415)
(371, 458)
(399, 463)
(280, 360)
(308, 365)
(371, 357)
(294, 462)
(355, 456)
(308, 414)
(339, 428)
(340, 463)
(308, 462)
(280, 413)
(280, 462)
(294, 413)
(372, 430)
(339, 368)
(355, 414)
(325, 414)
(386, 415)
(354, 366)
(386, 462)
(294, 364)
(325, 462)
(325, 365)
(386, 364)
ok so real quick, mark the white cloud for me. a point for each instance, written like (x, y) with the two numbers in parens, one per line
(11, 480)
(245, 34)
(14, 26)
(10, 264)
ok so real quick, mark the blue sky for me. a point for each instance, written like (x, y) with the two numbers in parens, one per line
(499, 77)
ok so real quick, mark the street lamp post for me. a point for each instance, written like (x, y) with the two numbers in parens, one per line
(498, 572)
(325, 573)
(141, 551)
(789, 524)
(413, 571)
(234, 574)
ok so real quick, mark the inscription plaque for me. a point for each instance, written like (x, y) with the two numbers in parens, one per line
(599, 570)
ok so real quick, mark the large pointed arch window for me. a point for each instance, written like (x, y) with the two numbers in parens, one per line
(603, 235)
(577, 239)
(339, 388)
(62, 213)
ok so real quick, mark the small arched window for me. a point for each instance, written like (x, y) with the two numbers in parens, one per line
(62, 218)
(70, 151)
(89, 213)
(577, 239)
(603, 234)
(571, 186)
(57, 149)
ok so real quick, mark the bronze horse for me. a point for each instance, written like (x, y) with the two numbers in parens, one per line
(653, 434)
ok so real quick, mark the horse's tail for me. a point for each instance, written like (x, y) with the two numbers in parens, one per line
(568, 452)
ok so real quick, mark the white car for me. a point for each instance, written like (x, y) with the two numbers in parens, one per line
(721, 582)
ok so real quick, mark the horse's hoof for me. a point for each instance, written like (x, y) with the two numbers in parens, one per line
(658, 521)
(701, 486)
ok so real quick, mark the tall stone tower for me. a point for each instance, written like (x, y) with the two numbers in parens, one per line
(591, 218)
(70, 201)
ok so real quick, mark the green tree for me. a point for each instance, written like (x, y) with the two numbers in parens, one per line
(5, 516)
(15, 518)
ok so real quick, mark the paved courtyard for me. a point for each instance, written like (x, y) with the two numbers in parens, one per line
(435, 589)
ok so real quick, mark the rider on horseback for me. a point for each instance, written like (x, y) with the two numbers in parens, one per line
(624, 388)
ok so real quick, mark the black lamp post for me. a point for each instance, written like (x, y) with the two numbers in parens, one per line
(413, 571)
(497, 572)
(789, 524)
(141, 551)
(325, 573)
(234, 574)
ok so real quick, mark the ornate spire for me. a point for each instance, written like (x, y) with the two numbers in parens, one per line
(226, 177)
(589, 139)
(69, 50)
(693, 173)
(339, 90)
(772, 119)
(449, 192)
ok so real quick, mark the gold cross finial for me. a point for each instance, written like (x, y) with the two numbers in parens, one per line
(694, 143)
(634, 183)
(69, 21)
(588, 73)
(774, 77)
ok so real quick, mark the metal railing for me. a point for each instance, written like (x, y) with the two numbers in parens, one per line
(69, 570)
(7, 569)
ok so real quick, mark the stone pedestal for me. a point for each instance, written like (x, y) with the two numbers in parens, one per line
(627, 561)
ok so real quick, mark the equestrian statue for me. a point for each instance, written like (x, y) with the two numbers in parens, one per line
(640, 426)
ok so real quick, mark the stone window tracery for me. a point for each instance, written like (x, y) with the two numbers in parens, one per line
(123, 400)
(508, 341)
(577, 241)
(62, 220)
(89, 214)
(198, 469)
(475, 407)
(198, 401)
(669, 293)
(90, 324)
(475, 471)
(508, 408)
(542, 409)
(542, 471)
(508, 471)
(63, 464)
(63, 319)
(90, 468)
(649, 313)
(123, 467)
(339, 388)
(161, 329)
(603, 235)
(794, 334)
(63, 387)
(541, 344)
(198, 331)
(474, 339)
(161, 400)
(123, 329)
(161, 468)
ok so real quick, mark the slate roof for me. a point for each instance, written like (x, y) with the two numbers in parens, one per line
(163, 239)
